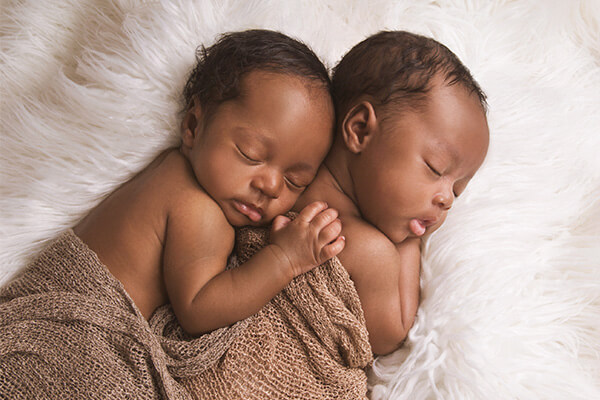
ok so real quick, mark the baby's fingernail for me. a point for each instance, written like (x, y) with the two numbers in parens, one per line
(343, 237)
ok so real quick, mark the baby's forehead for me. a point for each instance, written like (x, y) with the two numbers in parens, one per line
(440, 144)
(451, 123)
(315, 90)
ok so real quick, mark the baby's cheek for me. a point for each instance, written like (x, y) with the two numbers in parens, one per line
(438, 225)
(285, 203)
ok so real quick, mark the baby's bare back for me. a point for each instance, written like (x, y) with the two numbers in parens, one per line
(127, 230)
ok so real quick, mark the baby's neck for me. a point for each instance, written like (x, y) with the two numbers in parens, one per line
(329, 186)
(338, 173)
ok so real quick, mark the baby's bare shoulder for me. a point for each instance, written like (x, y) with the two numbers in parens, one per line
(174, 180)
(189, 207)
(366, 246)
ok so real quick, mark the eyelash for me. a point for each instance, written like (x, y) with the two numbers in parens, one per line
(295, 186)
(433, 169)
(252, 160)
(439, 174)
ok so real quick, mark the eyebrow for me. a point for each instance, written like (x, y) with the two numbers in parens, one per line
(252, 135)
(444, 147)
(301, 166)
(454, 156)
(265, 141)
(448, 148)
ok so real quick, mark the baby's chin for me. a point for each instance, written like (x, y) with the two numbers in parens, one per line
(260, 224)
(397, 237)
(241, 223)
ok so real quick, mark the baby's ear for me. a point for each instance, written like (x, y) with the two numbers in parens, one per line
(359, 126)
(191, 120)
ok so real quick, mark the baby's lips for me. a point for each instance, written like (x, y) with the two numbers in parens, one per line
(250, 211)
(416, 227)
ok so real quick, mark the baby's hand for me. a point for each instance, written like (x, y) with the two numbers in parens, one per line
(309, 240)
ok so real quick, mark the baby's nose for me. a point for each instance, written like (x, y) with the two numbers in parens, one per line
(271, 184)
(443, 200)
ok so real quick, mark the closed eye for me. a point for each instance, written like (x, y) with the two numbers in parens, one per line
(295, 185)
(246, 156)
(435, 171)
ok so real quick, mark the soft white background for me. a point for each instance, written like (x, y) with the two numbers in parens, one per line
(510, 285)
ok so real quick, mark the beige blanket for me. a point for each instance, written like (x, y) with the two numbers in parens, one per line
(69, 330)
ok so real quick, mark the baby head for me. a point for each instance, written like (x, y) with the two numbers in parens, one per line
(259, 122)
(412, 122)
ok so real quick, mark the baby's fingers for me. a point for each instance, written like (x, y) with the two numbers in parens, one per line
(280, 222)
(324, 218)
(310, 211)
(330, 232)
(333, 249)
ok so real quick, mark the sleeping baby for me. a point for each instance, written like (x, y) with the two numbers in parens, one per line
(258, 124)
(411, 132)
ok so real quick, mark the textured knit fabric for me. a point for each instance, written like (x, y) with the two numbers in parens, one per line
(69, 330)
(309, 342)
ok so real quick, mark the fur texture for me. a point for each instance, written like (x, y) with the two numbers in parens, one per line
(510, 285)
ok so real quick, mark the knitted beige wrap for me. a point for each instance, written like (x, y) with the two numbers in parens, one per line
(68, 330)
(309, 342)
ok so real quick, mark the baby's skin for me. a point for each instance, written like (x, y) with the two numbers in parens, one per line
(393, 181)
(167, 233)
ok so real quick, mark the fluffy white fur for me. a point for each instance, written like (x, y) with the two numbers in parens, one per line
(510, 285)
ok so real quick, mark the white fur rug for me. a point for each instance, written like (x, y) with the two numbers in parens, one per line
(510, 285)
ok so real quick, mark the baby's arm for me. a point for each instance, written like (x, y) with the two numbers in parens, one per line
(409, 266)
(205, 296)
(386, 277)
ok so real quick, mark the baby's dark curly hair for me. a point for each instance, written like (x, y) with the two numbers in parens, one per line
(221, 67)
(397, 68)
